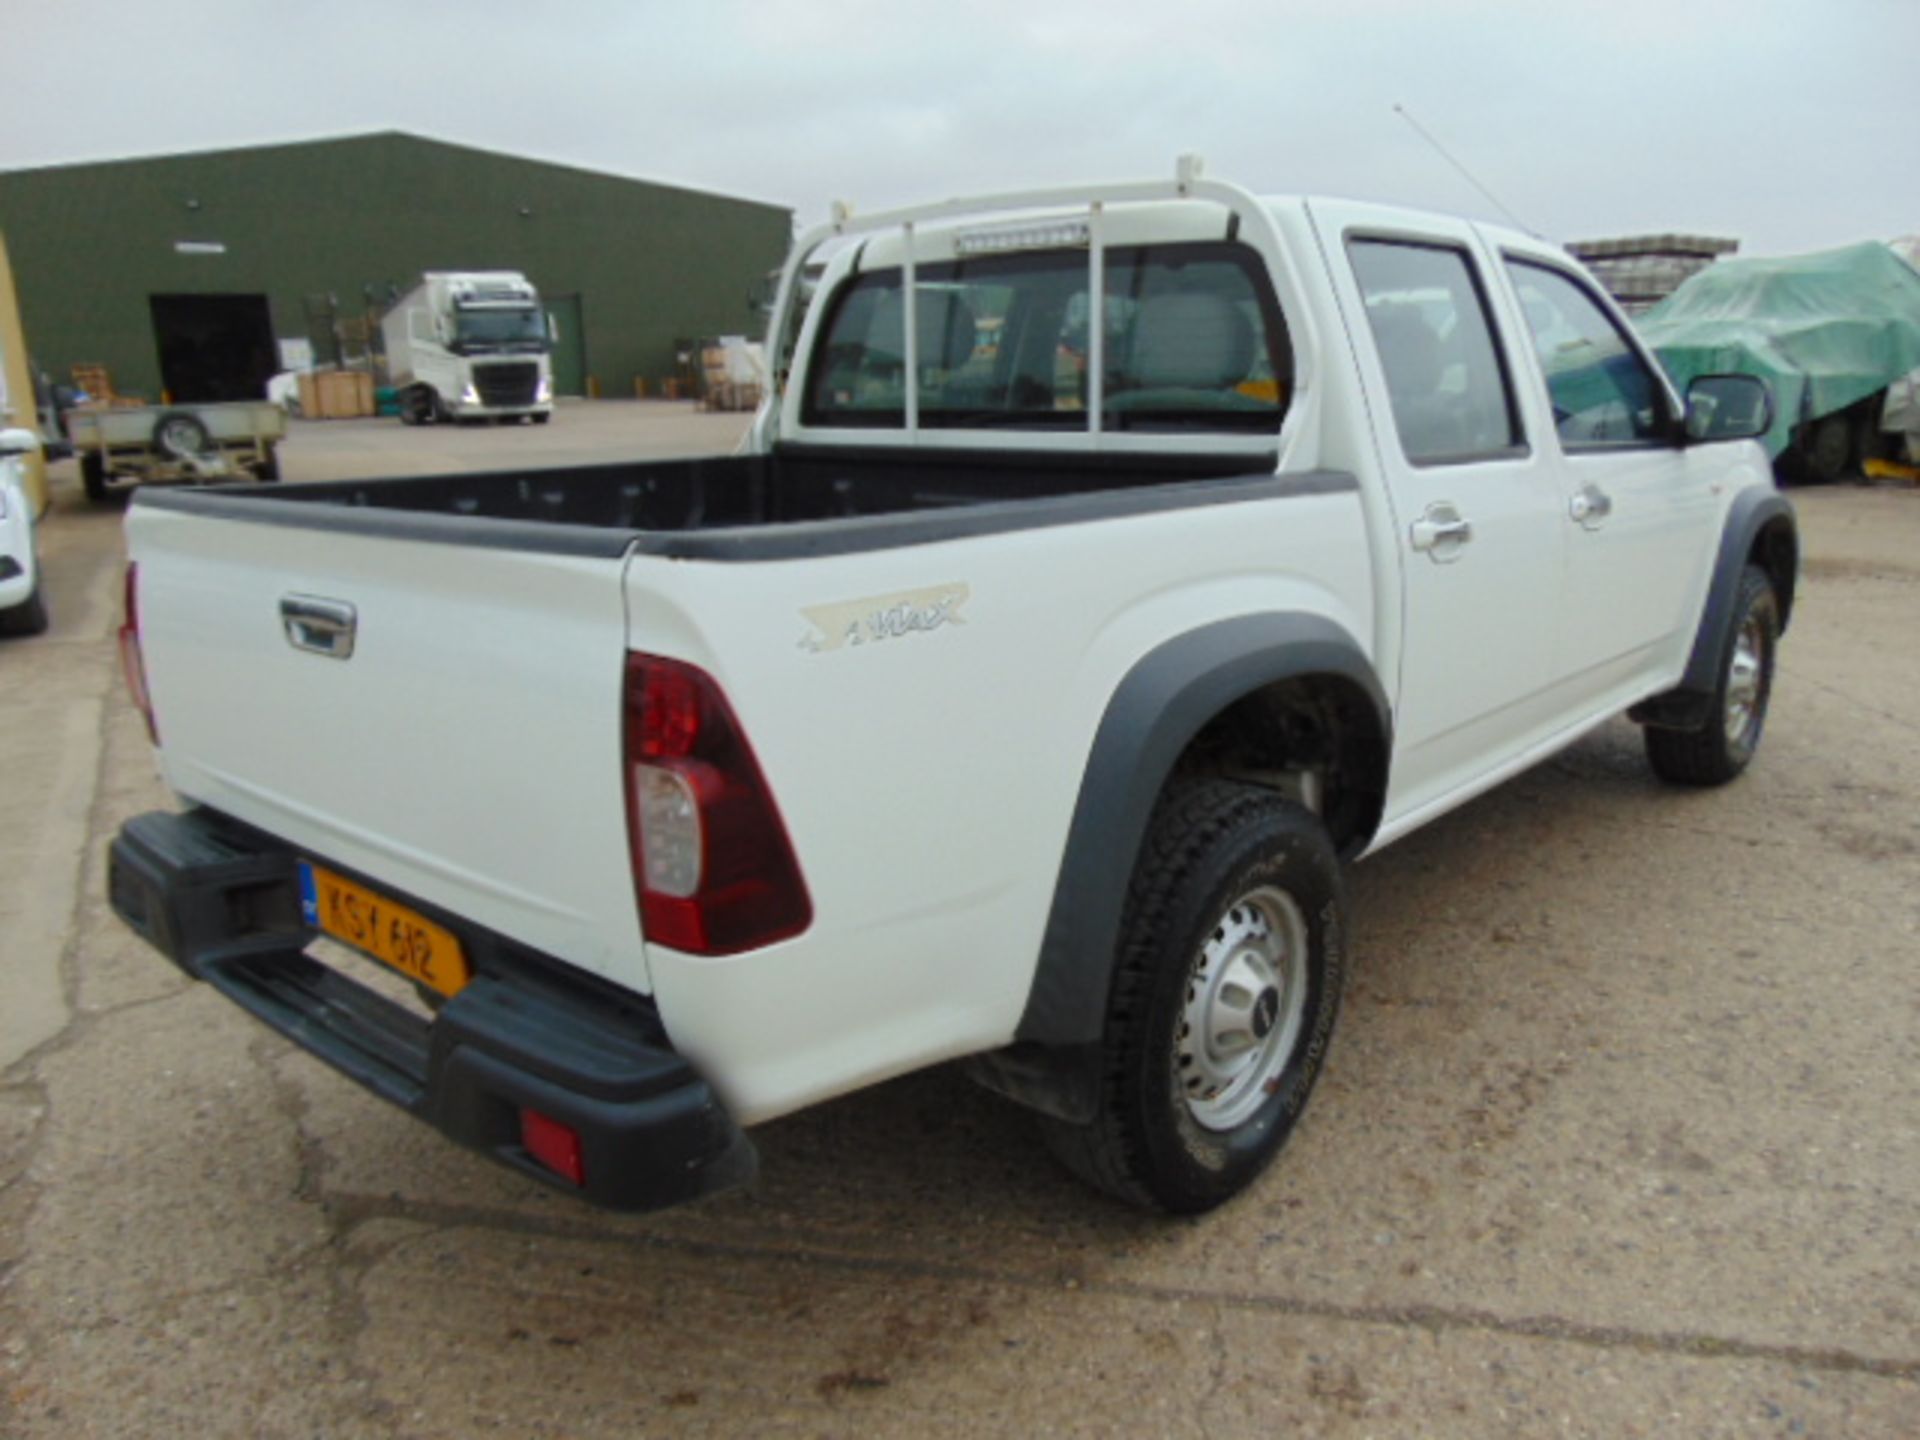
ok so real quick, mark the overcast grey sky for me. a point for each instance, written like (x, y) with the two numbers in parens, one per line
(1791, 124)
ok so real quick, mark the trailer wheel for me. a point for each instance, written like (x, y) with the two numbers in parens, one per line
(181, 435)
(267, 468)
(93, 475)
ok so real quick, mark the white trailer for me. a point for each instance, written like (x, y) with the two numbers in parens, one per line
(470, 346)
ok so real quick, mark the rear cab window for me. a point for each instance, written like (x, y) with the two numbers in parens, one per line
(1192, 336)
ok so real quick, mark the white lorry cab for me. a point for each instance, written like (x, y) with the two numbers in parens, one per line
(470, 346)
(1108, 570)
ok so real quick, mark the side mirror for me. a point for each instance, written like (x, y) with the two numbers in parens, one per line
(1728, 407)
(18, 442)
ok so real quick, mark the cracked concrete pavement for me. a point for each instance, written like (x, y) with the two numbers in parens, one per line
(1620, 1134)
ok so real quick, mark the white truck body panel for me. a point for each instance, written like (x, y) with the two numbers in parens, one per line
(931, 848)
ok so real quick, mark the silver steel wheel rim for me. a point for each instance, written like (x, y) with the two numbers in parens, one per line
(1245, 1006)
(1743, 679)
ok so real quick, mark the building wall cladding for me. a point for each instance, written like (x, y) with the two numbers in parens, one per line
(651, 263)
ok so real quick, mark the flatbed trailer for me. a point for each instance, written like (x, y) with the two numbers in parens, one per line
(153, 444)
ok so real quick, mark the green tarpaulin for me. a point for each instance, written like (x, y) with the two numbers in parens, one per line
(1824, 330)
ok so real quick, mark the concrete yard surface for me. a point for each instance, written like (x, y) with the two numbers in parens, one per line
(1620, 1133)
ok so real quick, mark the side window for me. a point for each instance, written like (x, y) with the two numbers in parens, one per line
(1602, 391)
(1445, 379)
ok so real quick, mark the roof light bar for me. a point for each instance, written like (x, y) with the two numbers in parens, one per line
(1059, 234)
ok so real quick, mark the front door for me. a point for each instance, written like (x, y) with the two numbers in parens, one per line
(1476, 504)
(1640, 509)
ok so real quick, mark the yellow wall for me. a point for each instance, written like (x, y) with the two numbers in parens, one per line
(19, 408)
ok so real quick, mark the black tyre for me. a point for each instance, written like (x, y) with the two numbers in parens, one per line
(180, 435)
(1226, 986)
(93, 476)
(29, 617)
(1722, 747)
(542, 417)
(1827, 452)
(268, 468)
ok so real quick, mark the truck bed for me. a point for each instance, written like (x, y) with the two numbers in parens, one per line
(757, 507)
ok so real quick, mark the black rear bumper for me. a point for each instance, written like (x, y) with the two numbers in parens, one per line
(222, 904)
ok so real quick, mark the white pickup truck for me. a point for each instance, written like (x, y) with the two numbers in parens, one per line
(1108, 567)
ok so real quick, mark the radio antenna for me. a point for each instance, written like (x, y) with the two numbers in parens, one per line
(1446, 155)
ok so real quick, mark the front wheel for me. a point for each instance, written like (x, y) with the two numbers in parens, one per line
(1721, 747)
(1225, 990)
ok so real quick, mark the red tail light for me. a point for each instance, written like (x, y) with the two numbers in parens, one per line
(132, 663)
(712, 865)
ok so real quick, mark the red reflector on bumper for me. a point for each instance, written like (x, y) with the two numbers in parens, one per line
(554, 1145)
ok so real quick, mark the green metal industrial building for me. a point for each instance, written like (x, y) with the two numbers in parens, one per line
(190, 274)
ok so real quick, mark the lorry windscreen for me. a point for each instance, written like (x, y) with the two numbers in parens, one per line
(1194, 340)
(491, 329)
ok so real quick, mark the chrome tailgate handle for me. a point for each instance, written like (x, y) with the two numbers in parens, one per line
(325, 627)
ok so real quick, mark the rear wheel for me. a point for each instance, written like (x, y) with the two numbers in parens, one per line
(1721, 747)
(1225, 991)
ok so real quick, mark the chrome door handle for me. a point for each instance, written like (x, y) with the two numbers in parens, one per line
(1590, 505)
(1440, 532)
(325, 627)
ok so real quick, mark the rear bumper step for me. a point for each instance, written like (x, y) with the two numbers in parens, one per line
(224, 906)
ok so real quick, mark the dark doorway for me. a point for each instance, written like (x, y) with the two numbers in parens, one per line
(214, 347)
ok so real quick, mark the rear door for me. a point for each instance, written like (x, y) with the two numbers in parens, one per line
(1477, 507)
(466, 749)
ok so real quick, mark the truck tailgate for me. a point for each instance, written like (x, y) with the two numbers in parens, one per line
(467, 752)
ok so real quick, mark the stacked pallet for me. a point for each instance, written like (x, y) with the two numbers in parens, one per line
(1643, 270)
(94, 381)
(336, 394)
(729, 375)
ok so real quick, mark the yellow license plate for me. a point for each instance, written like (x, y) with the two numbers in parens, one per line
(390, 933)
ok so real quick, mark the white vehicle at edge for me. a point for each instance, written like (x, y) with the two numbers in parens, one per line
(23, 599)
(470, 345)
(1109, 567)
